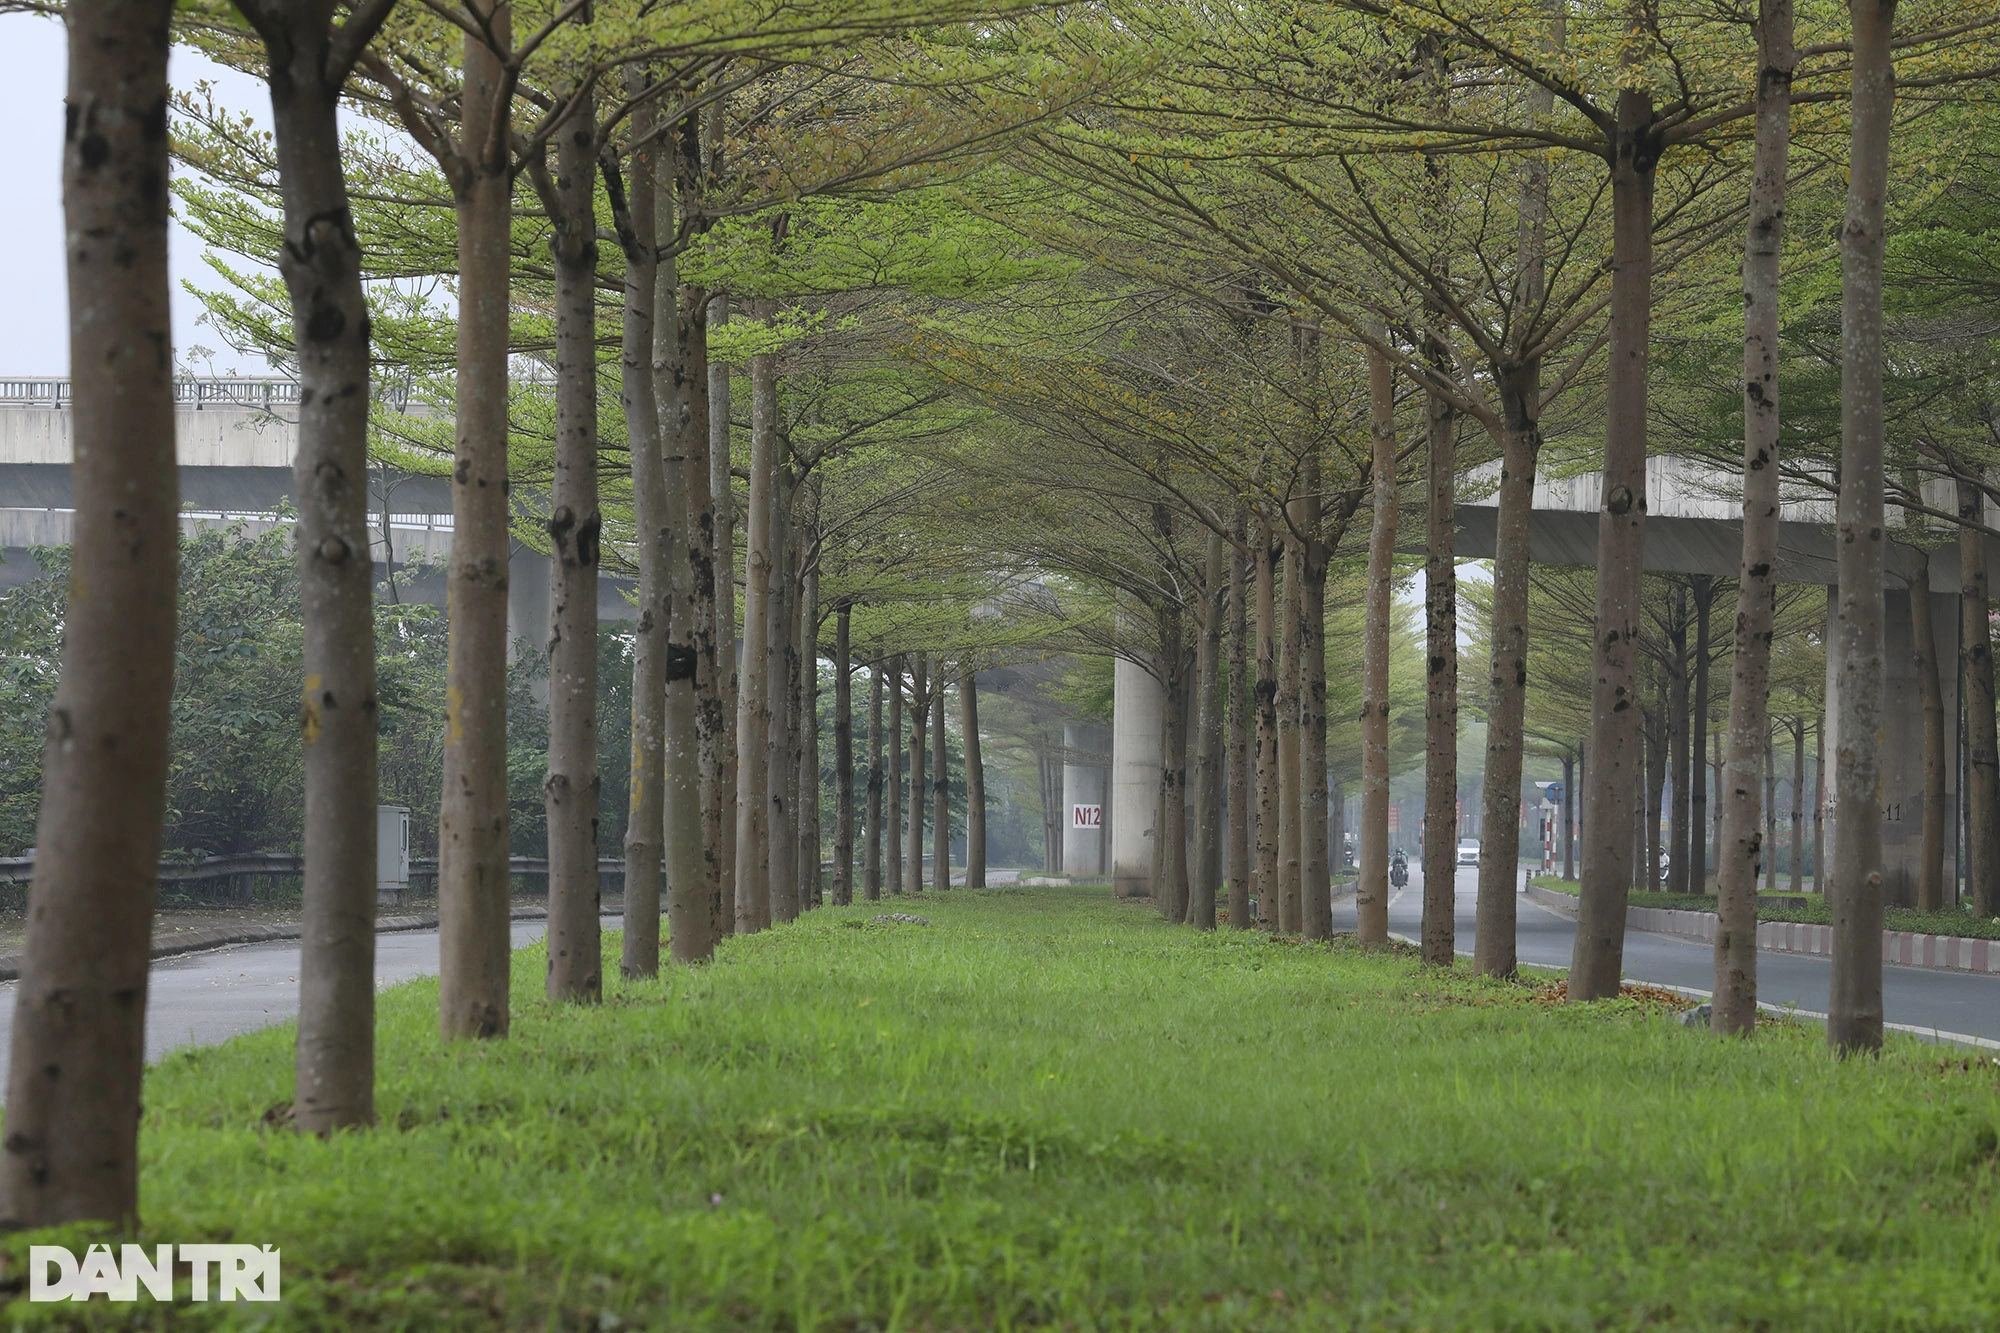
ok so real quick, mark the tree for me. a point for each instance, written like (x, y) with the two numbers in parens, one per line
(72, 1146)
(310, 59)
(1854, 1010)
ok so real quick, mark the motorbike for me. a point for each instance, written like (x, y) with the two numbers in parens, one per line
(1399, 873)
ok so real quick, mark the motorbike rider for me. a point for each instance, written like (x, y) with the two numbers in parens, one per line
(1399, 869)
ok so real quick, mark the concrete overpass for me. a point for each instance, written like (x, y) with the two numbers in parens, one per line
(1693, 526)
(235, 438)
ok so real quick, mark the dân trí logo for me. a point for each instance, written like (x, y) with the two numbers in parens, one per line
(239, 1272)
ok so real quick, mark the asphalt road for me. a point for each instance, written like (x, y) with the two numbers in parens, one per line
(199, 999)
(1955, 1003)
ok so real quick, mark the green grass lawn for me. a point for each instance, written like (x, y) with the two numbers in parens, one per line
(1951, 921)
(1048, 1110)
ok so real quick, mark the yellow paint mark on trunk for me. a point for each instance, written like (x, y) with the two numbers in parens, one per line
(309, 715)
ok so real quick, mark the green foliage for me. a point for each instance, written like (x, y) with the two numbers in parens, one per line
(1027, 1115)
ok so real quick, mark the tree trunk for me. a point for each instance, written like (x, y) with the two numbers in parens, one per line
(474, 944)
(1290, 807)
(1269, 820)
(1657, 746)
(920, 706)
(843, 757)
(1371, 896)
(975, 780)
(812, 888)
(1982, 734)
(321, 265)
(1569, 817)
(753, 705)
(1493, 941)
(72, 1145)
(1204, 881)
(1440, 682)
(1241, 787)
(1703, 588)
(696, 918)
(1682, 764)
(717, 694)
(1819, 806)
(1170, 860)
(1798, 806)
(575, 945)
(1770, 811)
(1315, 869)
(940, 789)
(893, 824)
(1614, 734)
(645, 820)
(871, 833)
(780, 653)
(1854, 1007)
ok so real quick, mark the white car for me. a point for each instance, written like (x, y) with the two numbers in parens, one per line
(1468, 851)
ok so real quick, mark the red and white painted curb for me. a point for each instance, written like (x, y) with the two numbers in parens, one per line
(1950, 953)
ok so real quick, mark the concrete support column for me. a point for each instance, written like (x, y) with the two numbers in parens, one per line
(1902, 742)
(1086, 788)
(1138, 705)
(528, 608)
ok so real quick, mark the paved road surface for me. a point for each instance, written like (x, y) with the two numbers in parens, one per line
(1953, 1002)
(198, 999)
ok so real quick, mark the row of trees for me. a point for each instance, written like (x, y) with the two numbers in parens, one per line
(1123, 329)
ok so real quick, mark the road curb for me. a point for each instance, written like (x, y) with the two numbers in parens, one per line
(218, 937)
(1905, 948)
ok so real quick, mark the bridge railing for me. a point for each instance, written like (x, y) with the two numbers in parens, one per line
(255, 391)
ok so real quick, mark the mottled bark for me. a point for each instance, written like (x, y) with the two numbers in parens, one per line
(871, 833)
(474, 944)
(1493, 941)
(645, 818)
(1798, 805)
(1242, 786)
(1371, 895)
(975, 779)
(1923, 635)
(781, 690)
(940, 789)
(1614, 704)
(321, 265)
(72, 1146)
(1702, 586)
(1205, 875)
(805, 792)
(920, 706)
(697, 916)
(1680, 763)
(1170, 858)
(570, 791)
(753, 705)
(1269, 820)
(1289, 899)
(892, 832)
(1440, 681)
(1854, 1006)
(1982, 734)
(1739, 842)
(1315, 866)
(843, 756)
(718, 693)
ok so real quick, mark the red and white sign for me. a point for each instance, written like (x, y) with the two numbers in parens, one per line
(1086, 816)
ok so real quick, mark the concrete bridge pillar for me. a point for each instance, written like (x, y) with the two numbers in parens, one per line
(1138, 705)
(1902, 742)
(1086, 790)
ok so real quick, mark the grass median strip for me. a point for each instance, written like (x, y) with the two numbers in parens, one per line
(1044, 1109)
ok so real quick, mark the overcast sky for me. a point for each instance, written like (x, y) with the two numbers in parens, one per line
(34, 339)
